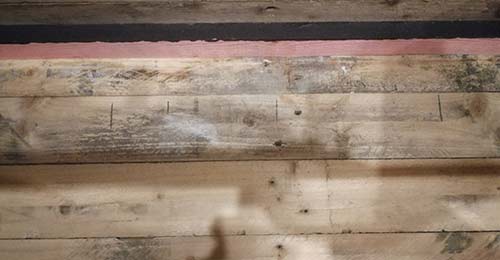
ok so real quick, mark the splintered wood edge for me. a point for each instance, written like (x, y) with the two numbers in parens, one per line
(228, 49)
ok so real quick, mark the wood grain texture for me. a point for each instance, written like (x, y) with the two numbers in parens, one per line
(229, 76)
(188, 11)
(441, 246)
(252, 198)
(231, 49)
(240, 127)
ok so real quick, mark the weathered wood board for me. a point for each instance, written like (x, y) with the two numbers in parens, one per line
(305, 75)
(440, 246)
(241, 127)
(252, 198)
(229, 11)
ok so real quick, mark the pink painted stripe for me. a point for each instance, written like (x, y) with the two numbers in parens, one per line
(187, 49)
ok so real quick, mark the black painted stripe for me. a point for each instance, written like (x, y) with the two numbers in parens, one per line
(248, 31)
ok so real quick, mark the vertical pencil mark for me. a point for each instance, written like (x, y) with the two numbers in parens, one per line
(196, 106)
(440, 110)
(111, 118)
(276, 116)
(168, 107)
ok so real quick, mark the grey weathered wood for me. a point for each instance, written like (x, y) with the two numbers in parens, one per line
(440, 246)
(112, 77)
(218, 11)
(169, 128)
(253, 198)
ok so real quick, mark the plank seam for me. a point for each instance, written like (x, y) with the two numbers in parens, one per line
(257, 160)
(261, 235)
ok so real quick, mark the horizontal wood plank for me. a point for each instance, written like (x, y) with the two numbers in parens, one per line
(441, 246)
(262, 49)
(220, 11)
(252, 198)
(170, 128)
(306, 75)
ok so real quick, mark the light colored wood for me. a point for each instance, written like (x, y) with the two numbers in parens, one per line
(170, 128)
(252, 198)
(440, 246)
(221, 11)
(111, 77)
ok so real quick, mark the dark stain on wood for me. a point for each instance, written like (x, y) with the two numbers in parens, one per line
(473, 108)
(138, 209)
(456, 243)
(137, 74)
(15, 141)
(85, 89)
(249, 120)
(468, 199)
(13, 153)
(494, 243)
(478, 106)
(473, 76)
(342, 139)
(130, 249)
(494, 8)
(181, 75)
(392, 2)
(13, 74)
(65, 210)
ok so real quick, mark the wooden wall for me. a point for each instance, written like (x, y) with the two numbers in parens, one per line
(238, 11)
(421, 135)
(249, 150)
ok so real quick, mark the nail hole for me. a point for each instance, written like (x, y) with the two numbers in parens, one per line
(278, 143)
(298, 112)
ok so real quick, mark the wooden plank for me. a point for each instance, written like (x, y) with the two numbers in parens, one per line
(252, 198)
(221, 11)
(228, 49)
(440, 246)
(305, 75)
(170, 128)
